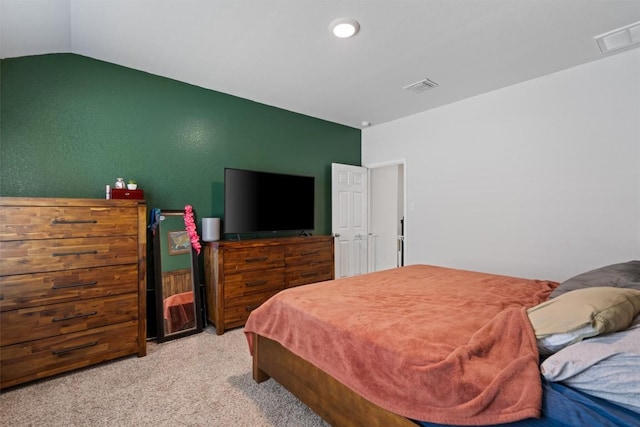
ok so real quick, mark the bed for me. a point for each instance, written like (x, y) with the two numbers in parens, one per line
(426, 345)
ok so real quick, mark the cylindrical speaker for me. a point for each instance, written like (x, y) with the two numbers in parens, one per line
(210, 229)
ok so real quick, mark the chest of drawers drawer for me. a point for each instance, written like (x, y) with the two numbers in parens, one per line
(31, 256)
(253, 259)
(308, 253)
(29, 290)
(41, 358)
(50, 222)
(56, 319)
(237, 311)
(310, 272)
(253, 282)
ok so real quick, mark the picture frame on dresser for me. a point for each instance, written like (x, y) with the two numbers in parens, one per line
(73, 284)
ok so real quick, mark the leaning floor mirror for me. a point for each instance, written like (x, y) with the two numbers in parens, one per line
(178, 304)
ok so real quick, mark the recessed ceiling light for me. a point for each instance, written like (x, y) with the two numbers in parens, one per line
(344, 27)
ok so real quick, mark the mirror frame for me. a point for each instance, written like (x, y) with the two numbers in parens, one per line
(162, 336)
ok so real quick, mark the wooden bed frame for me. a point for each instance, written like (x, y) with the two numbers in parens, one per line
(333, 401)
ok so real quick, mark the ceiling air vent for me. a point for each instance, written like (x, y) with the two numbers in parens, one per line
(619, 38)
(421, 86)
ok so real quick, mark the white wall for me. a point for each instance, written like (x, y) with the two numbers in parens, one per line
(539, 179)
(34, 27)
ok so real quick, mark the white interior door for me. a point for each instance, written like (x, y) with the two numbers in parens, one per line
(349, 219)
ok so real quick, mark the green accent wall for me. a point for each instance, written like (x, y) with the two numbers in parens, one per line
(72, 124)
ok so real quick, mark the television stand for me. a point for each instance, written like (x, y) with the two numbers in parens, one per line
(241, 275)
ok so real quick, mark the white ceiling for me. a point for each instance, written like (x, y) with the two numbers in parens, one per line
(281, 53)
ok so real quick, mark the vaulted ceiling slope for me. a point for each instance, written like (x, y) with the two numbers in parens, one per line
(281, 53)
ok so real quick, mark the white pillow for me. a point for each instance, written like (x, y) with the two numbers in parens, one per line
(552, 343)
(607, 366)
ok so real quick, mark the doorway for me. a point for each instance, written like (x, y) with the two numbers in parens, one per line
(387, 215)
(368, 217)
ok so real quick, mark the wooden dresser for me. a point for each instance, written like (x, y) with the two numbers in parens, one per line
(72, 284)
(241, 275)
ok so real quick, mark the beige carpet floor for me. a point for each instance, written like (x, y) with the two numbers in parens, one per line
(201, 380)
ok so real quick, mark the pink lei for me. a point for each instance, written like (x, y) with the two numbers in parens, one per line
(190, 225)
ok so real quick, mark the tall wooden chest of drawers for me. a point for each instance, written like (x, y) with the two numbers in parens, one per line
(241, 275)
(72, 284)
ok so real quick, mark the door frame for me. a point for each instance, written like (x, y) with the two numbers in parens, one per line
(397, 162)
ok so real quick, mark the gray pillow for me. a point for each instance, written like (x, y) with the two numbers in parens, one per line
(604, 366)
(623, 275)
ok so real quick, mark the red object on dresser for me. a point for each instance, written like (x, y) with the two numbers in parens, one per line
(119, 193)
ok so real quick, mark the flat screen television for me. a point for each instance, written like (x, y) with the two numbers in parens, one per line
(257, 201)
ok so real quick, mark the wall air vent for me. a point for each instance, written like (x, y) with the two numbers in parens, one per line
(619, 38)
(421, 86)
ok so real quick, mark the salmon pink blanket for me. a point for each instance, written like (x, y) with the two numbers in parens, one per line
(429, 343)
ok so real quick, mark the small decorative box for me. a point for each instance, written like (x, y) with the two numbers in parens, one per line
(118, 193)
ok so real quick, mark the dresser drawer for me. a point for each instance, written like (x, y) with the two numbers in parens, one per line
(253, 282)
(41, 358)
(253, 259)
(45, 222)
(30, 290)
(237, 310)
(56, 319)
(308, 252)
(33, 256)
(309, 273)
